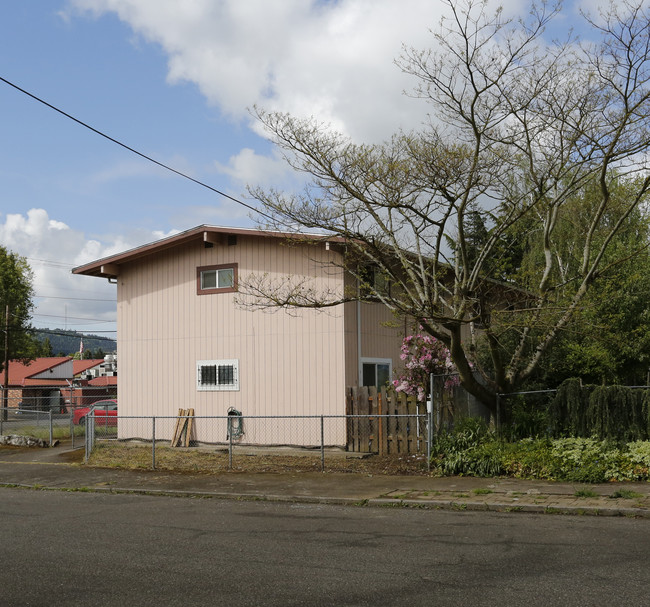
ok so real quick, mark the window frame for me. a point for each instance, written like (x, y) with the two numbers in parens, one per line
(211, 291)
(375, 361)
(373, 282)
(217, 387)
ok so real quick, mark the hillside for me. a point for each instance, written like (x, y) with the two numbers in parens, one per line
(67, 342)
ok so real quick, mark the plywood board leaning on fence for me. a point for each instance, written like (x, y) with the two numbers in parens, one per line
(184, 428)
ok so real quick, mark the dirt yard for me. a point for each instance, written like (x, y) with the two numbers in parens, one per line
(210, 461)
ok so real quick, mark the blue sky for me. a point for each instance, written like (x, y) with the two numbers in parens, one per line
(174, 80)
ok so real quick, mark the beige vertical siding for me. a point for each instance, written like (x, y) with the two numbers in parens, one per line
(289, 364)
(381, 335)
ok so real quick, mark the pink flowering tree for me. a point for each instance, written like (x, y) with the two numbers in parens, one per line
(424, 355)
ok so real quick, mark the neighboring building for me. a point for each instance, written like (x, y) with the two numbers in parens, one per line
(39, 384)
(57, 383)
(94, 379)
(186, 343)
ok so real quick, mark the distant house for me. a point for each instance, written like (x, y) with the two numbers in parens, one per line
(39, 384)
(184, 341)
(56, 383)
(94, 379)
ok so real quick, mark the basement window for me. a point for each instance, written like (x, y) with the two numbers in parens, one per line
(217, 375)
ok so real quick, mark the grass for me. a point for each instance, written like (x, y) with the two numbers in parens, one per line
(626, 494)
(585, 493)
(481, 491)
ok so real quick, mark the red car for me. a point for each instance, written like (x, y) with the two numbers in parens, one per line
(105, 412)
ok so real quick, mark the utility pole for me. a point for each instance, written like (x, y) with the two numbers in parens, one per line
(5, 386)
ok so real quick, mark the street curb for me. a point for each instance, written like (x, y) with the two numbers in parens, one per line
(450, 505)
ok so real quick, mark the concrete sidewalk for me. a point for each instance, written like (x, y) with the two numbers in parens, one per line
(56, 469)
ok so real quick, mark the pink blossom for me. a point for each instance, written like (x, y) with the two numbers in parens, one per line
(424, 355)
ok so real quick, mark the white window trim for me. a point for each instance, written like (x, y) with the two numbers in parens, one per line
(375, 361)
(232, 362)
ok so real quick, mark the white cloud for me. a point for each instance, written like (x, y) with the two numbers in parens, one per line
(333, 60)
(250, 167)
(52, 249)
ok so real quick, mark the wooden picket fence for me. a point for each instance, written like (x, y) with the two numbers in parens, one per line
(386, 433)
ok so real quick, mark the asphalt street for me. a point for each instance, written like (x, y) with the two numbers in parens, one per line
(76, 548)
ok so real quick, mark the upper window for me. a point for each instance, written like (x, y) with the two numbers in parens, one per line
(216, 279)
(217, 375)
(374, 281)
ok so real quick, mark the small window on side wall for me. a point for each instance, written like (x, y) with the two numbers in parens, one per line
(217, 375)
(376, 371)
(216, 279)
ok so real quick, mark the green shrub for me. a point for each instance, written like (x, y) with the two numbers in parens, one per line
(583, 460)
(606, 412)
(464, 451)
(528, 417)
(615, 412)
(528, 458)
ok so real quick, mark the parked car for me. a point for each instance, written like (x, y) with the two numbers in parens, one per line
(105, 412)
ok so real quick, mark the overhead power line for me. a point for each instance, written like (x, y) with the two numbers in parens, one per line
(73, 298)
(72, 333)
(134, 151)
(55, 264)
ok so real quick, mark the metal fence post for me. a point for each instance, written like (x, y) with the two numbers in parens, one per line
(322, 444)
(51, 429)
(87, 440)
(229, 445)
(153, 443)
(429, 437)
(90, 434)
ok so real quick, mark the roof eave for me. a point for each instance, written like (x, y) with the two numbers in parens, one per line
(108, 267)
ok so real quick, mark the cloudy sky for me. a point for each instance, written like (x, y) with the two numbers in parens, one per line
(175, 80)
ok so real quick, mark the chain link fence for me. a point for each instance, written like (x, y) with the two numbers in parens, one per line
(211, 443)
(46, 425)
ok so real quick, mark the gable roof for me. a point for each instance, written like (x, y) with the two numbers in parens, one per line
(81, 366)
(108, 267)
(26, 374)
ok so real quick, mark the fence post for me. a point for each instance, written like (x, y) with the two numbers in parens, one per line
(153, 443)
(322, 444)
(229, 446)
(429, 437)
(71, 425)
(87, 437)
(51, 429)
